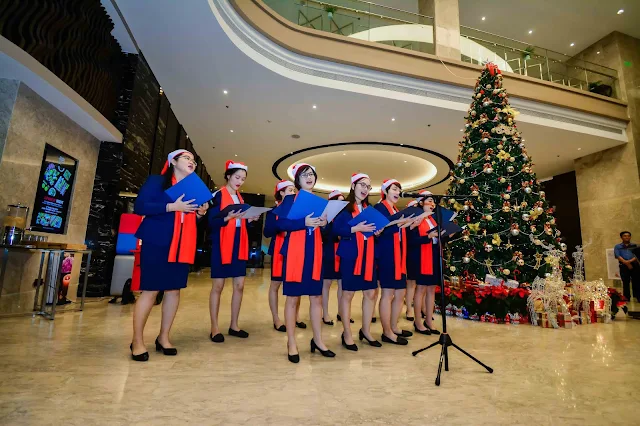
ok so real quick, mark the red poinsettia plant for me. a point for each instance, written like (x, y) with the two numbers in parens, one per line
(617, 300)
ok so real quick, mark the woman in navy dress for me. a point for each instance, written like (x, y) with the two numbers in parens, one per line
(229, 249)
(302, 250)
(330, 264)
(411, 284)
(283, 189)
(168, 233)
(357, 261)
(423, 264)
(392, 266)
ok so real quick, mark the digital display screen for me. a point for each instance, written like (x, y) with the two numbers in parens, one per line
(53, 196)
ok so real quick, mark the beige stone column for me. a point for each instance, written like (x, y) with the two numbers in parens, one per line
(608, 181)
(446, 26)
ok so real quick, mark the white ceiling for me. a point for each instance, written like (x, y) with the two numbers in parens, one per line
(195, 61)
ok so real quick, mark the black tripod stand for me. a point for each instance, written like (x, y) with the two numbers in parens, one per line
(445, 340)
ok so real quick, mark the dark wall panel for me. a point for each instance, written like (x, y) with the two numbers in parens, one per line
(562, 192)
(182, 138)
(171, 137)
(158, 159)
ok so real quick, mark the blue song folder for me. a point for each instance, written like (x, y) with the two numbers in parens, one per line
(232, 208)
(370, 215)
(193, 188)
(305, 204)
(415, 211)
(283, 208)
(448, 225)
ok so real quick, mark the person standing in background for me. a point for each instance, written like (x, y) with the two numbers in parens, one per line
(629, 266)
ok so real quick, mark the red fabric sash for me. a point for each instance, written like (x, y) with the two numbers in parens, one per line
(426, 250)
(399, 256)
(295, 255)
(228, 232)
(357, 270)
(336, 263)
(185, 235)
(278, 259)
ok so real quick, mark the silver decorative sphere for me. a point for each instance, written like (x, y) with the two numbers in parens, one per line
(512, 159)
(520, 262)
(485, 140)
(451, 178)
(488, 217)
(462, 181)
(488, 247)
(552, 221)
(500, 146)
(502, 180)
(467, 164)
(506, 196)
(452, 268)
(460, 164)
(452, 201)
(547, 275)
(465, 207)
(537, 242)
(488, 170)
(527, 190)
(515, 232)
(506, 271)
(471, 149)
(474, 193)
(466, 259)
(542, 194)
(521, 145)
(465, 238)
(510, 169)
(486, 104)
(525, 216)
(488, 86)
(563, 246)
(539, 210)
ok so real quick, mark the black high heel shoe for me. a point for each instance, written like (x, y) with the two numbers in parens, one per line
(399, 341)
(301, 325)
(349, 347)
(404, 333)
(144, 357)
(165, 351)
(282, 328)
(410, 318)
(351, 320)
(238, 333)
(373, 343)
(218, 338)
(432, 330)
(374, 320)
(425, 332)
(330, 322)
(326, 353)
(293, 358)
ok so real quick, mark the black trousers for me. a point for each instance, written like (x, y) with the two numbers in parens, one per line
(630, 275)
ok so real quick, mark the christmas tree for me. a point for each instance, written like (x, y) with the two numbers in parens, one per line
(506, 221)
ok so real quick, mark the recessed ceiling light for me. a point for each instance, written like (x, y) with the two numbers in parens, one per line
(462, 130)
(530, 31)
(393, 119)
(405, 161)
(344, 154)
(598, 52)
(231, 131)
(235, 155)
(315, 107)
(258, 193)
(579, 149)
(621, 11)
(572, 44)
(225, 92)
(401, 144)
(483, 18)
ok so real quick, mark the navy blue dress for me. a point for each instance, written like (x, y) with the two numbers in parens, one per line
(156, 233)
(348, 252)
(414, 245)
(237, 267)
(385, 255)
(271, 230)
(308, 286)
(329, 241)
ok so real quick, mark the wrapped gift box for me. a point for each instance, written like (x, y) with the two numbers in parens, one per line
(565, 320)
(512, 284)
(492, 280)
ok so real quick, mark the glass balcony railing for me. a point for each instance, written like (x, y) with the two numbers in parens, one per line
(365, 20)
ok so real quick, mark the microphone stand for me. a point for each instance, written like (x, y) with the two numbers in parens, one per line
(445, 339)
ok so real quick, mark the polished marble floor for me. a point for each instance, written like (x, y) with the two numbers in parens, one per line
(77, 371)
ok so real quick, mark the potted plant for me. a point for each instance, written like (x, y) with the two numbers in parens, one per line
(330, 10)
(526, 53)
(600, 88)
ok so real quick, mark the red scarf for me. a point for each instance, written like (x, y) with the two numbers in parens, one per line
(185, 235)
(295, 255)
(399, 256)
(278, 258)
(228, 232)
(336, 257)
(426, 250)
(360, 241)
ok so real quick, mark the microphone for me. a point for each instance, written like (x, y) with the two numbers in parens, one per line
(405, 194)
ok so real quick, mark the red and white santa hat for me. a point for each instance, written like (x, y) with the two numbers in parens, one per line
(171, 156)
(334, 193)
(230, 164)
(425, 194)
(387, 183)
(299, 166)
(282, 185)
(412, 203)
(357, 176)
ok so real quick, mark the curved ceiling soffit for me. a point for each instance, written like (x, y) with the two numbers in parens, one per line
(392, 86)
(446, 160)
